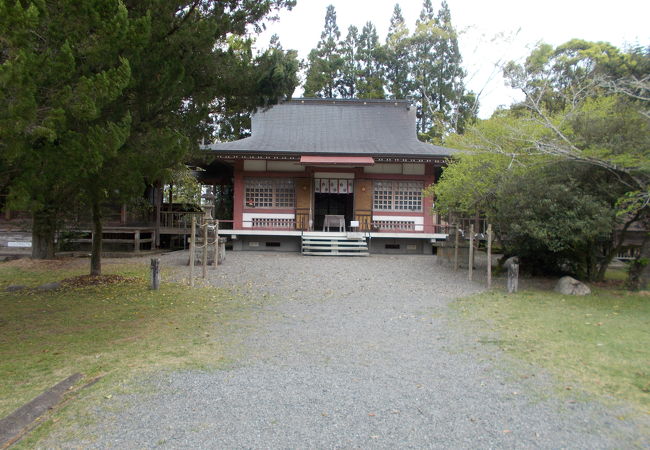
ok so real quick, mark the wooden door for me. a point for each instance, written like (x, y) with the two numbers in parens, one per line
(363, 204)
(303, 203)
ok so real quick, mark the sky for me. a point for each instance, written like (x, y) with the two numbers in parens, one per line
(491, 32)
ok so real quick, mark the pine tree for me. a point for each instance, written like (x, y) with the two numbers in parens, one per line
(397, 61)
(369, 57)
(325, 62)
(96, 100)
(62, 68)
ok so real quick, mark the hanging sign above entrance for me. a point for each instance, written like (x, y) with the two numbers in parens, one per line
(333, 186)
(357, 161)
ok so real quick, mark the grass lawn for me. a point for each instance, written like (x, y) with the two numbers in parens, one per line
(115, 329)
(599, 343)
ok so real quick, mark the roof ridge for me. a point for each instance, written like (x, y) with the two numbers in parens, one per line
(350, 101)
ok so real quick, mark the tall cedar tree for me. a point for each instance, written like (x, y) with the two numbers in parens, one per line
(396, 66)
(438, 87)
(325, 62)
(348, 83)
(369, 58)
(115, 93)
(424, 67)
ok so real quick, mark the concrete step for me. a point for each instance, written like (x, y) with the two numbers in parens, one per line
(330, 244)
(335, 254)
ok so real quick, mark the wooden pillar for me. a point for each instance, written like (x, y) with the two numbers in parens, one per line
(238, 195)
(427, 202)
(205, 246)
(489, 256)
(456, 249)
(123, 214)
(192, 245)
(471, 252)
(158, 202)
(216, 244)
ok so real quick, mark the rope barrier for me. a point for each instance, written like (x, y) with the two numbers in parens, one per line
(205, 227)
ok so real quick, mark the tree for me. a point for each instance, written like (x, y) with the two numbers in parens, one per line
(325, 62)
(573, 91)
(55, 89)
(349, 69)
(369, 56)
(275, 68)
(396, 65)
(555, 220)
(115, 94)
(438, 87)
(196, 57)
(575, 131)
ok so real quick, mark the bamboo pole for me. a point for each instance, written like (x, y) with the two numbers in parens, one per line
(193, 230)
(205, 246)
(489, 256)
(471, 251)
(456, 249)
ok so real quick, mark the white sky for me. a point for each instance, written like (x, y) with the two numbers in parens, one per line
(491, 31)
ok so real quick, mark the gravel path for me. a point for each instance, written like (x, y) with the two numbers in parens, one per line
(356, 352)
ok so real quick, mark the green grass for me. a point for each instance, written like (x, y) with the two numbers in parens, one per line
(598, 343)
(113, 329)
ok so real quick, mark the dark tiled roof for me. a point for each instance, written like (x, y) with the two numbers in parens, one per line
(335, 126)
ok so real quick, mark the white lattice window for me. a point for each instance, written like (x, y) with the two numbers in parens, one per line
(269, 193)
(397, 196)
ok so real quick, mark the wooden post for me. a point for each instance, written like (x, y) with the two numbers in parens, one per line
(456, 249)
(471, 252)
(216, 244)
(155, 273)
(158, 199)
(193, 230)
(205, 246)
(489, 256)
(512, 264)
(136, 241)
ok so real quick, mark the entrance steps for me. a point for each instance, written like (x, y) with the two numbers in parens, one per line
(334, 244)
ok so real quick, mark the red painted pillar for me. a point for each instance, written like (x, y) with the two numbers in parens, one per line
(427, 202)
(238, 195)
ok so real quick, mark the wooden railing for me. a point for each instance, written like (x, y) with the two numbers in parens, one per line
(273, 223)
(178, 219)
(302, 219)
(132, 237)
(394, 225)
(364, 217)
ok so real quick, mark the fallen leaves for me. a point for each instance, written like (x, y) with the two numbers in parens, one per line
(96, 280)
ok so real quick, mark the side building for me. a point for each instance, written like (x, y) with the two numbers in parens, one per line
(332, 167)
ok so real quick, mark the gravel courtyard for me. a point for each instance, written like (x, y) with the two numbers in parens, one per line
(355, 352)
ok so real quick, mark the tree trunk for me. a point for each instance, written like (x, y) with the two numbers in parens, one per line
(639, 271)
(96, 255)
(43, 234)
(644, 276)
(615, 248)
